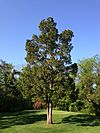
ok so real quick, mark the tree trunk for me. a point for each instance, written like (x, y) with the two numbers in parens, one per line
(49, 113)
(49, 108)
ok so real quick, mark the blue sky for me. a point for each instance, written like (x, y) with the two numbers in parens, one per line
(19, 19)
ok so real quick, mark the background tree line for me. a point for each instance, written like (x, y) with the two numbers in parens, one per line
(82, 92)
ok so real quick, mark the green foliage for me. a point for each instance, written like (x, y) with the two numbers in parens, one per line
(61, 104)
(48, 55)
(89, 83)
(10, 97)
(26, 81)
(61, 97)
(73, 107)
(76, 106)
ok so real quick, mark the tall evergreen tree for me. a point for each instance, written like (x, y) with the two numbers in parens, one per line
(49, 54)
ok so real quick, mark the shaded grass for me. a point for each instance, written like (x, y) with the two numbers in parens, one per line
(82, 120)
(35, 122)
(20, 118)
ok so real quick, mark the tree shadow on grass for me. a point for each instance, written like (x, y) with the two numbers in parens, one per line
(20, 118)
(82, 120)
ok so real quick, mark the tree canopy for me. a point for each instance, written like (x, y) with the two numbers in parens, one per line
(89, 83)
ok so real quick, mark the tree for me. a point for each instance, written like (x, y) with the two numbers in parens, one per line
(89, 83)
(5, 76)
(9, 93)
(49, 55)
(26, 82)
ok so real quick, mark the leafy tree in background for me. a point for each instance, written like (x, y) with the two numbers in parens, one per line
(49, 55)
(6, 80)
(26, 82)
(9, 94)
(89, 83)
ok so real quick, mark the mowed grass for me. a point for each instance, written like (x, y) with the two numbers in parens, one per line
(35, 122)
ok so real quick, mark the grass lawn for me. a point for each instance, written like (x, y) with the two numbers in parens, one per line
(35, 122)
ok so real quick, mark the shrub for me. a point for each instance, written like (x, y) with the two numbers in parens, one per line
(38, 104)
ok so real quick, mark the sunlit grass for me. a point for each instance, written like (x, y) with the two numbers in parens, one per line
(35, 122)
